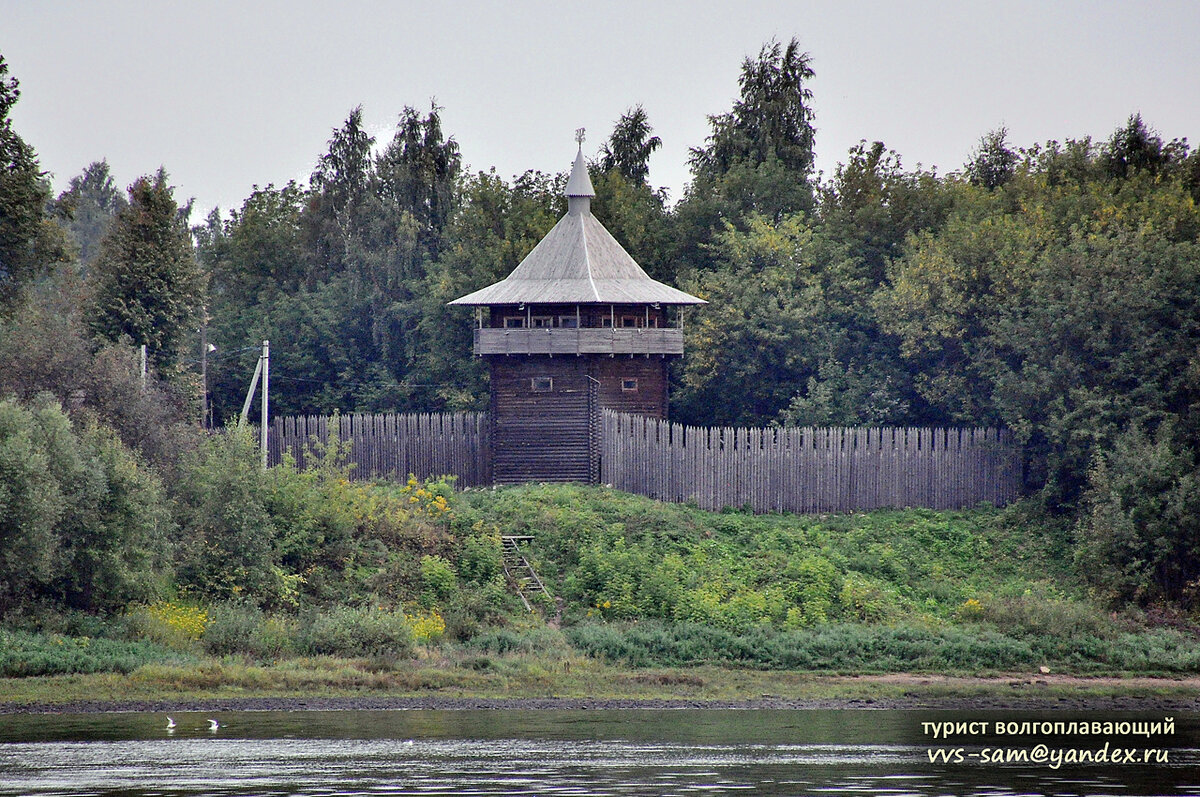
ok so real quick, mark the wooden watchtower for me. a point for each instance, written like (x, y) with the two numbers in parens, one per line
(578, 326)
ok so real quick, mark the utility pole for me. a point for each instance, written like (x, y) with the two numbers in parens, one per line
(204, 368)
(263, 369)
(266, 377)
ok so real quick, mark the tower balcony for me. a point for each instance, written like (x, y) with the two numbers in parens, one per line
(560, 341)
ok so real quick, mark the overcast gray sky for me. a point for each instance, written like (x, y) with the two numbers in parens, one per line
(226, 95)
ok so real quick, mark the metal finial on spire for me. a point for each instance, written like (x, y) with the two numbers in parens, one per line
(580, 135)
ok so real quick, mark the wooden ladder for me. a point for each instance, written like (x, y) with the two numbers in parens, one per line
(518, 570)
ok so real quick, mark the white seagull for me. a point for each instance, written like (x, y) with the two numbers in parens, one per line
(213, 725)
(170, 724)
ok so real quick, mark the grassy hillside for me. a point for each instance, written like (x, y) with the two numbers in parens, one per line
(615, 556)
(660, 589)
(646, 584)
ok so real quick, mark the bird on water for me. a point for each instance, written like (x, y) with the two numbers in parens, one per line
(213, 725)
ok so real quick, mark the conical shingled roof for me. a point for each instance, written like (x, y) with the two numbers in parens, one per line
(580, 183)
(578, 262)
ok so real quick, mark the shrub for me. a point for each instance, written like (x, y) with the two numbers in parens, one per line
(480, 606)
(243, 629)
(427, 627)
(541, 641)
(865, 600)
(480, 556)
(31, 504)
(1028, 615)
(168, 623)
(44, 349)
(437, 580)
(355, 632)
(813, 584)
(1139, 539)
(81, 522)
(227, 535)
(315, 513)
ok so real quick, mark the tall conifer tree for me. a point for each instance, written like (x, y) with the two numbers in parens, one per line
(29, 239)
(147, 284)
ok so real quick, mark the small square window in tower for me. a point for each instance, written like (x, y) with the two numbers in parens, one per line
(629, 385)
(541, 384)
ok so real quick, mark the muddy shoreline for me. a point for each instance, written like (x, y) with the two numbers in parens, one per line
(913, 703)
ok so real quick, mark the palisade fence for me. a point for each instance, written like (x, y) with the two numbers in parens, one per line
(394, 445)
(809, 469)
(769, 470)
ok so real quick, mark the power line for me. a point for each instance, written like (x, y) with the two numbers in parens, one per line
(220, 354)
(366, 384)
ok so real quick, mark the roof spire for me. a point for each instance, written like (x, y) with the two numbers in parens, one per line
(579, 187)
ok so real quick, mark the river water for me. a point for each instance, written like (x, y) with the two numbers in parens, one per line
(549, 752)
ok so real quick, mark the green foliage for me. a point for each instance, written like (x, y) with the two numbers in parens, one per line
(1139, 536)
(630, 146)
(772, 119)
(24, 655)
(226, 531)
(81, 522)
(168, 623)
(44, 348)
(342, 271)
(31, 502)
(355, 632)
(30, 241)
(480, 558)
(622, 558)
(858, 648)
(115, 529)
(437, 579)
(829, 647)
(148, 287)
(1029, 616)
(1135, 147)
(339, 189)
(480, 607)
(1053, 305)
(993, 163)
(812, 584)
(539, 641)
(287, 539)
(239, 628)
(317, 514)
(90, 203)
(255, 255)
(417, 173)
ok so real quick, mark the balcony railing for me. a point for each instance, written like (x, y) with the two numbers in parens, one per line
(552, 340)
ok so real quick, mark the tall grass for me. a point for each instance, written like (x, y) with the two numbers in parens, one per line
(878, 649)
(25, 655)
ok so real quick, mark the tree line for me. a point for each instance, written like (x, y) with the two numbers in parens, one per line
(1052, 289)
